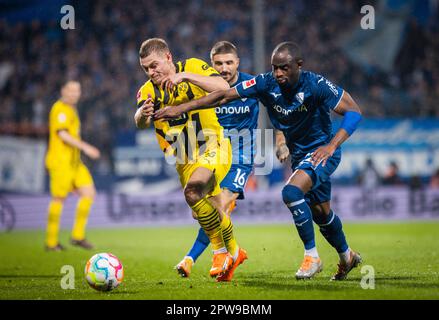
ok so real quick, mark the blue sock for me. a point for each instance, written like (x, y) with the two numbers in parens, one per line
(294, 199)
(332, 229)
(200, 245)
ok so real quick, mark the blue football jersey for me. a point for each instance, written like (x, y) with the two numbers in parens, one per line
(240, 118)
(301, 112)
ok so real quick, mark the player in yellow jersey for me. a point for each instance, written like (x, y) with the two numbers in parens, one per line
(66, 170)
(202, 153)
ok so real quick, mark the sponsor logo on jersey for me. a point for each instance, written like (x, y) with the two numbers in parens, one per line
(332, 87)
(232, 110)
(302, 108)
(249, 83)
(286, 112)
(275, 95)
(281, 110)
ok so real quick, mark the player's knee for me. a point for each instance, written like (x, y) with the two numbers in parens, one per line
(92, 193)
(322, 218)
(88, 192)
(193, 193)
(59, 200)
(320, 213)
(291, 194)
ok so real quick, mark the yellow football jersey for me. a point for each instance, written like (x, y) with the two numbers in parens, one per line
(59, 154)
(190, 135)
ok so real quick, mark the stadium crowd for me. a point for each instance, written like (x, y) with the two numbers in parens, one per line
(102, 53)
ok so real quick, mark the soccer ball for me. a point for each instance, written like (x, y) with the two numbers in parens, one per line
(104, 272)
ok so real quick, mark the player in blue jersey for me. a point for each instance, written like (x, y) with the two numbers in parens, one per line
(239, 118)
(299, 103)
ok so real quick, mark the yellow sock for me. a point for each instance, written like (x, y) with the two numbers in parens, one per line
(54, 215)
(208, 218)
(82, 211)
(229, 238)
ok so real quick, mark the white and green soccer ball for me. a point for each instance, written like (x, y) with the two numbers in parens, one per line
(104, 272)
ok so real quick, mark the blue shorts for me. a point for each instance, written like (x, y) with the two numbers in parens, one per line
(320, 176)
(237, 178)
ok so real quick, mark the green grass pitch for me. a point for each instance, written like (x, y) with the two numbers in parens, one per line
(405, 257)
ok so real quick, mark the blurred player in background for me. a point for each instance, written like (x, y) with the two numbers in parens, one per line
(240, 118)
(201, 163)
(66, 170)
(299, 104)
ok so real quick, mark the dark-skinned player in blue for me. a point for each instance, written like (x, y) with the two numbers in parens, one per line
(299, 103)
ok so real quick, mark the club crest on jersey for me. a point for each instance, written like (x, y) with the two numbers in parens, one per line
(249, 83)
(300, 96)
(183, 87)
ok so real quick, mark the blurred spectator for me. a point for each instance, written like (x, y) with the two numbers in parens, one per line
(434, 180)
(369, 178)
(391, 177)
(416, 183)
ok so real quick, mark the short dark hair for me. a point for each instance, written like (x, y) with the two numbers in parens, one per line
(153, 45)
(223, 47)
(291, 48)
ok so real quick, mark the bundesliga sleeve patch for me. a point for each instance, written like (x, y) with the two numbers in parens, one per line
(62, 118)
(249, 83)
(138, 94)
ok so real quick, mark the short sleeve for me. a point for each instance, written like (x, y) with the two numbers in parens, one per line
(251, 88)
(142, 94)
(198, 66)
(328, 94)
(60, 119)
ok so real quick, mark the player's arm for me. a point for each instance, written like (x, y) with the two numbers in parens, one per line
(198, 73)
(210, 101)
(207, 83)
(282, 151)
(144, 113)
(351, 113)
(88, 149)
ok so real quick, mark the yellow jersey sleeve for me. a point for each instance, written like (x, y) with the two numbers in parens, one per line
(60, 118)
(144, 91)
(198, 66)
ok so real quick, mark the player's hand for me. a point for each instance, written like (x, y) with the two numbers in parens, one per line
(91, 152)
(282, 152)
(147, 108)
(170, 82)
(322, 154)
(168, 113)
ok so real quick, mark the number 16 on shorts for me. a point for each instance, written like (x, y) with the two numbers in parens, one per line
(240, 179)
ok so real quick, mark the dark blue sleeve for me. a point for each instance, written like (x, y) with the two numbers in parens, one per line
(328, 94)
(251, 88)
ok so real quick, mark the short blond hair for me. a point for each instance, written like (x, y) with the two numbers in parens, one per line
(153, 45)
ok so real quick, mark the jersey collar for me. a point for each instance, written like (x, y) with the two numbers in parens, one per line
(238, 80)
